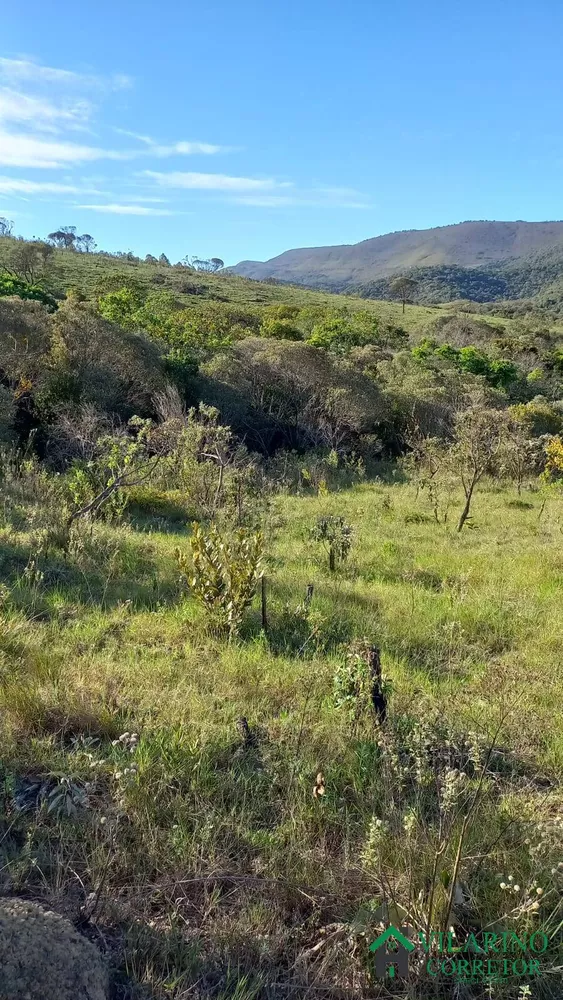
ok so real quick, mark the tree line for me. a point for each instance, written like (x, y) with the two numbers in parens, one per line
(67, 238)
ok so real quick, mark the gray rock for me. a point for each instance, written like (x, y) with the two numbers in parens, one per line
(42, 956)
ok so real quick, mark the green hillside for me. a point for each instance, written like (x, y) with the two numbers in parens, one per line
(86, 274)
(476, 261)
(538, 277)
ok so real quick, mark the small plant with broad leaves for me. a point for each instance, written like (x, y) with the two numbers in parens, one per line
(58, 794)
(223, 572)
(335, 534)
(355, 684)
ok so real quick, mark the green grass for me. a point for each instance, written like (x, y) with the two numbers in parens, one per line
(216, 870)
(81, 272)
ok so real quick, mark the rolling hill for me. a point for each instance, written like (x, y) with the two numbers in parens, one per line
(484, 261)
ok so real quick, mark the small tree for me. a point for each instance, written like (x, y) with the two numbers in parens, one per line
(163, 259)
(520, 453)
(203, 264)
(404, 289)
(86, 243)
(479, 435)
(28, 259)
(6, 226)
(64, 238)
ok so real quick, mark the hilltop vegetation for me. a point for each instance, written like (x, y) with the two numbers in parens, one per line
(279, 629)
(475, 261)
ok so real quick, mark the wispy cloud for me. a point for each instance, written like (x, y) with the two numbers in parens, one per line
(31, 151)
(13, 185)
(135, 135)
(319, 197)
(28, 71)
(212, 182)
(43, 107)
(42, 114)
(142, 198)
(179, 148)
(119, 209)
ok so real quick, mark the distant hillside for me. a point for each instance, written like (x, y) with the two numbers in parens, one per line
(444, 256)
(538, 277)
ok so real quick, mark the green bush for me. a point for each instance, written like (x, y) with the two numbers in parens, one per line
(223, 573)
(336, 536)
(24, 290)
(499, 372)
(280, 329)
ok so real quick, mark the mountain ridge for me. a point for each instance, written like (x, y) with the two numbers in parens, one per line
(482, 244)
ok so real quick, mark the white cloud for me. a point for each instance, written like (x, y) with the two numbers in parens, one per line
(13, 185)
(135, 135)
(117, 209)
(266, 200)
(187, 149)
(30, 151)
(304, 201)
(27, 70)
(211, 182)
(39, 112)
(179, 148)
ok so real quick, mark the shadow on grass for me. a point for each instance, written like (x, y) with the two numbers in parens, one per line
(42, 584)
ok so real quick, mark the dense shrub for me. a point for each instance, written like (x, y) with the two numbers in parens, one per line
(93, 361)
(280, 329)
(293, 395)
(499, 372)
(223, 573)
(24, 290)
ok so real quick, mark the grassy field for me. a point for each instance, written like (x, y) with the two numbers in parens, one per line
(81, 272)
(205, 861)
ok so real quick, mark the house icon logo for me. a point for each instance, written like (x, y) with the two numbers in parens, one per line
(388, 961)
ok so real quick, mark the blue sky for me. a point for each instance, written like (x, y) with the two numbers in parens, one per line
(240, 130)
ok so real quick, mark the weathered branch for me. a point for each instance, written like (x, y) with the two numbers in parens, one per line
(120, 481)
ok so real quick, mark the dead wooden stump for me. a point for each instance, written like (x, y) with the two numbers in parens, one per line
(378, 699)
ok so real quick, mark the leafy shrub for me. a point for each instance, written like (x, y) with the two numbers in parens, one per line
(292, 394)
(24, 290)
(96, 362)
(336, 536)
(500, 373)
(223, 573)
(120, 307)
(280, 329)
(341, 333)
(554, 460)
(538, 417)
(353, 682)
(181, 367)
